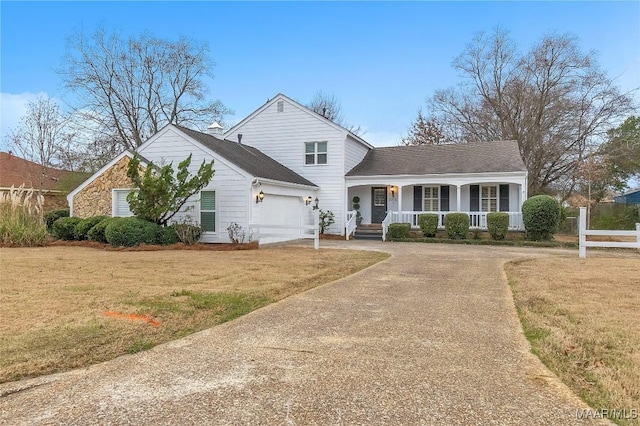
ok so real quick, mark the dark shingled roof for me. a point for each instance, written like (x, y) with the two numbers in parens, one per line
(476, 157)
(248, 158)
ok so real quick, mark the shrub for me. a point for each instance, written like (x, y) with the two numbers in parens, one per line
(497, 225)
(21, 220)
(398, 230)
(167, 236)
(131, 231)
(97, 232)
(54, 215)
(64, 228)
(456, 225)
(237, 235)
(84, 226)
(540, 215)
(187, 232)
(326, 220)
(428, 224)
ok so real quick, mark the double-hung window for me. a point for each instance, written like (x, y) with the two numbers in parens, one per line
(208, 211)
(315, 153)
(431, 199)
(489, 198)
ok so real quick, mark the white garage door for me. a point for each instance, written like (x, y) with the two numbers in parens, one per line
(282, 210)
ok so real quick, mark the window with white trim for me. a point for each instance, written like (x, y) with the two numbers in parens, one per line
(315, 153)
(120, 205)
(431, 201)
(208, 211)
(489, 198)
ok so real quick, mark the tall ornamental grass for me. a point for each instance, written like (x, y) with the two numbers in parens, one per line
(21, 218)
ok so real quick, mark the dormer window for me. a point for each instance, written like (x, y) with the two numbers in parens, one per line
(315, 153)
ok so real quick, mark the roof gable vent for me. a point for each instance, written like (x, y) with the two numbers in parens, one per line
(280, 106)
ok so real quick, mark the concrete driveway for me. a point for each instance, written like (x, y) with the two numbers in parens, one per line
(429, 336)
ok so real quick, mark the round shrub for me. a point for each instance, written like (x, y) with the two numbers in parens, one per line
(54, 215)
(540, 215)
(497, 225)
(398, 231)
(64, 228)
(167, 236)
(84, 226)
(97, 232)
(130, 231)
(456, 225)
(428, 224)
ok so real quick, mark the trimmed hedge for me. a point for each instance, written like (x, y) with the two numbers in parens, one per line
(131, 231)
(399, 230)
(540, 215)
(84, 226)
(54, 215)
(167, 236)
(428, 224)
(97, 232)
(64, 228)
(456, 225)
(497, 225)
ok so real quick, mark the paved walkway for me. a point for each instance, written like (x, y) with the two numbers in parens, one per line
(429, 336)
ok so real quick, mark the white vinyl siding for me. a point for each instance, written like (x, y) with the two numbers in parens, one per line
(354, 152)
(208, 211)
(489, 198)
(315, 153)
(232, 186)
(431, 199)
(120, 206)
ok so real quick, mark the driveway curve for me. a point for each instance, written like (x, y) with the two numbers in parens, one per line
(429, 336)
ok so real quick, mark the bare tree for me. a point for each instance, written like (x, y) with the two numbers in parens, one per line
(554, 100)
(424, 131)
(41, 137)
(134, 86)
(328, 106)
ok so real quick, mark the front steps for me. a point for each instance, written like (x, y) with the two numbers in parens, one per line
(368, 232)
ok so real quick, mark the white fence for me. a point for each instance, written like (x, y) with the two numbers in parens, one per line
(584, 232)
(314, 228)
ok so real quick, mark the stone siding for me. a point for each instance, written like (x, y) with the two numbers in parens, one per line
(95, 198)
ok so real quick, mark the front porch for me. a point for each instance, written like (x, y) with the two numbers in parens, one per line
(403, 200)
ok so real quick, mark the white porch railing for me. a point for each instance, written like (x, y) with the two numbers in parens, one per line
(476, 219)
(385, 225)
(351, 224)
(620, 244)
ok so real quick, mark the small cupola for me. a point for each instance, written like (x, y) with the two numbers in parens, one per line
(215, 129)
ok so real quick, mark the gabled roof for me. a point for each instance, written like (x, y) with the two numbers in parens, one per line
(16, 171)
(314, 114)
(247, 158)
(125, 153)
(476, 157)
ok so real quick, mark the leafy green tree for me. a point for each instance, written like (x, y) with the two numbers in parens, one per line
(161, 193)
(622, 151)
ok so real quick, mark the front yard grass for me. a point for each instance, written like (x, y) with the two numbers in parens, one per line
(582, 317)
(69, 307)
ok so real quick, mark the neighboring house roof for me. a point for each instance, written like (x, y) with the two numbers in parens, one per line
(248, 158)
(476, 157)
(630, 197)
(16, 171)
(281, 96)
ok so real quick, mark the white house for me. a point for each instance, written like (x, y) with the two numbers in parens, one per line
(269, 166)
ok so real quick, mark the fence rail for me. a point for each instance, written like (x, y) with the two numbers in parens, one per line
(351, 223)
(584, 232)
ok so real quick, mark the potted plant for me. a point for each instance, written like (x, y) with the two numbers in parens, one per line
(356, 206)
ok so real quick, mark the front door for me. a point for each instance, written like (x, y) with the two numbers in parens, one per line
(378, 204)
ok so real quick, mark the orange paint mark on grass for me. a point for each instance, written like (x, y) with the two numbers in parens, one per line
(132, 317)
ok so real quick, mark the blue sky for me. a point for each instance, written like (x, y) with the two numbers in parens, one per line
(380, 59)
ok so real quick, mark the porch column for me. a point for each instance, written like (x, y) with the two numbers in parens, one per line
(458, 187)
(399, 198)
